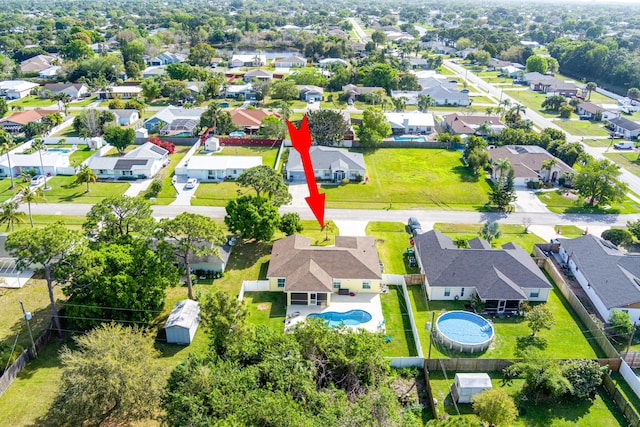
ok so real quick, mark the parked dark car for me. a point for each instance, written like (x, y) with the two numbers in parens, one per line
(414, 226)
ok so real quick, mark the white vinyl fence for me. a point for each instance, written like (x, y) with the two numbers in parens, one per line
(253, 286)
(631, 377)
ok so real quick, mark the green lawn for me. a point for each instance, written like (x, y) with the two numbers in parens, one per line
(569, 231)
(599, 142)
(601, 411)
(67, 132)
(510, 233)
(392, 241)
(83, 103)
(5, 183)
(215, 193)
(267, 308)
(81, 154)
(558, 202)
(268, 154)
(32, 101)
(397, 324)
(582, 127)
(168, 193)
(483, 100)
(628, 160)
(70, 221)
(65, 190)
(406, 178)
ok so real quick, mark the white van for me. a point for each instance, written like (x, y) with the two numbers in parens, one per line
(624, 145)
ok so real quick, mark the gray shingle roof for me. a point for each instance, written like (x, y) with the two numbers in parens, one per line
(625, 123)
(495, 273)
(326, 158)
(614, 276)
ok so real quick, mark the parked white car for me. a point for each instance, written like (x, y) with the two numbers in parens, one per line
(38, 180)
(191, 183)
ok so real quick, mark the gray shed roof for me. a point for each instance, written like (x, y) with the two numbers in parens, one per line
(328, 158)
(184, 314)
(495, 273)
(614, 276)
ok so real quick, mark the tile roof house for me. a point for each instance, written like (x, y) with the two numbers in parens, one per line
(74, 90)
(610, 278)
(413, 122)
(37, 63)
(250, 120)
(527, 162)
(501, 278)
(164, 118)
(261, 75)
(587, 109)
(628, 128)
(550, 85)
(290, 62)
(354, 91)
(143, 162)
(460, 124)
(216, 168)
(309, 275)
(16, 89)
(167, 58)
(329, 163)
(17, 120)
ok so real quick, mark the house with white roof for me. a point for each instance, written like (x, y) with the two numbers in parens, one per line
(50, 73)
(413, 122)
(290, 62)
(233, 91)
(329, 163)
(167, 58)
(260, 75)
(256, 60)
(331, 61)
(153, 71)
(54, 162)
(216, 167)
(166, 117)
(16, 89)
(74, 90)
(143, 162)
(122, 92)
(126, 117)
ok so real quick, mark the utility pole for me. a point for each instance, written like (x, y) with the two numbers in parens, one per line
(27, 317)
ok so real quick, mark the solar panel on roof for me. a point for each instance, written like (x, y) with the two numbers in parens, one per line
(126, 164)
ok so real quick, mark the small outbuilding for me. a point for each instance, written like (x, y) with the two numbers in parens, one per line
(465, 386)
(183, 322)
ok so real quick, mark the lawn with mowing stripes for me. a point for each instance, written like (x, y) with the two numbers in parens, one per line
(397, 324)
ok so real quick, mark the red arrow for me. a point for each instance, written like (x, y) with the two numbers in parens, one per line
(301, 140)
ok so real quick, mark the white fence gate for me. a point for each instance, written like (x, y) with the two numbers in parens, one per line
(393, 279)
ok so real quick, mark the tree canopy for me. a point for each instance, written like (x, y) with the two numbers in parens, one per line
(253, 217)
(118, 216)
(598, 181)
(266, 182)
(327, 127)
(374, 127)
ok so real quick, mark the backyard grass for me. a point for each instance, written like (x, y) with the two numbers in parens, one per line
(628, 160)
(397, 324)
(81, 154)
(599, 142)
(510, 233)
(601, 411)
(582, 127)
(267, 309)
(168, 192)
(32, 101)
(67, 132)
(558, 202)
(65, 190)
(406, 178)
(268, 154)
(392, 241)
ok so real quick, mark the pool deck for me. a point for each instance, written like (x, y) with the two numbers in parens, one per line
(341, 304)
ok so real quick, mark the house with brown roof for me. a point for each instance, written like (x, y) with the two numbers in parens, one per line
(354, 91)
(592, 111)
(527, 162)
(310, 275)
(250, 120)
(17, 120)
(550, 85)
(458, 124)
(38, 63)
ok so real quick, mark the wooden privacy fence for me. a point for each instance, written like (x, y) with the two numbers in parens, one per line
(414, 279)
(621, 401)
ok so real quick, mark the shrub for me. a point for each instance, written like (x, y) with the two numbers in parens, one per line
(359, 178)
(617, 236)
(155, 187)
(536, 185)
(344, 181)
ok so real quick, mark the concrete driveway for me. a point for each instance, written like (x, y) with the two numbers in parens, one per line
(184, 196)
(527, 201)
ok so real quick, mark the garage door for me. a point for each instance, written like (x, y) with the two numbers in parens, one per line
(297, 176)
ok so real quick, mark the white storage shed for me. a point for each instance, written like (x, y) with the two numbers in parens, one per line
(183, 322)
(465, 386)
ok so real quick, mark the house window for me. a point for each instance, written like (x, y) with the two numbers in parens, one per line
(327, 173)
(366, 284)
(447, 292)
(336, 284)
(281, 283)
(129, 173)
(535, 293)
(461, 292)
(101, 171)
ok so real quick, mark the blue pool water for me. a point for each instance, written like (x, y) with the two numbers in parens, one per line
(410, 138)
(350, 318)
(465, 328)
(59, 150)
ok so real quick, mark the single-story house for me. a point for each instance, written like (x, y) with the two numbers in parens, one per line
(428, 82)
(501, 278)
(326, 62)
(413, 122)
(54, 162)
(122, 92)
(511, 71)
(74, 90)
(217, 168)
(290, 62)
(309, 275)
(248, 61)
(445, 95)
(460, 124)
(126, 117)
(16, 89)
(418, 63)
(17, 120)
(527, 162)
(467, 385)
(164, 118)
(143, 162)
(550, 85)
(167, 58)
(354, 91)
(250, 121)
(329, 163)
(50, 73)
(587, 109)
(182, 324)
(466, 52)
(38, 63)
(439, 47)
(629, 128)
(214, 262)
(233, 91)
(610, 278)
(153, 71)
(261, 75)
(309, 92)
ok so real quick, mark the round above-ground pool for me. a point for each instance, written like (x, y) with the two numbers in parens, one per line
(463, 331)
(349, 318)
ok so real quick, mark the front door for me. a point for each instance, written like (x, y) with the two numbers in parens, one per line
(339, 175)
(501, 305)
(313, 298)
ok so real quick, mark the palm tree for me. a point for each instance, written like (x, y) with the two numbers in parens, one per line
(484, 129)
(517, 109)
(547, 165)
(38, 145)
(489, 111)
(86, 174)
(424, 102)
(30, 195)
(10, 215)
(400, 104)
(6, 145)
(591, 86)
(502, 165)
(285, 109)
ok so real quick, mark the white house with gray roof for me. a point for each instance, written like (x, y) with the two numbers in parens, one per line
(16, 89)
(143, 162)
(164, 118)
(502, 278)
(413, 122)
(216, 168)
(610, 278)
(329, 163)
